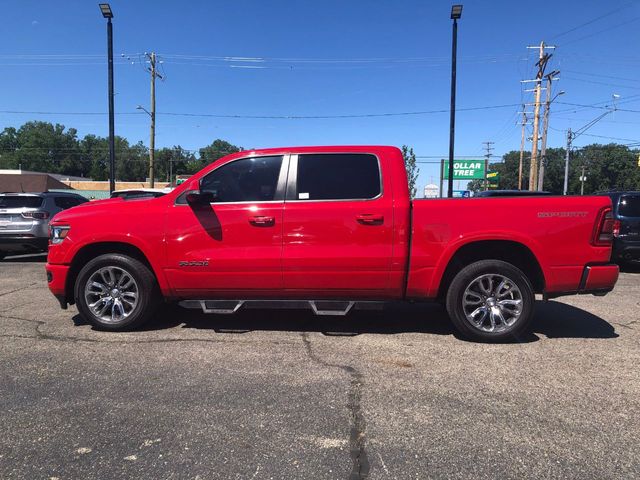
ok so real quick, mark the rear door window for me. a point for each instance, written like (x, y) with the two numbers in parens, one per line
(629, 206)
(352, 176)
(20, 201)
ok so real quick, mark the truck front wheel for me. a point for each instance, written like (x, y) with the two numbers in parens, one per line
(116, 292)
(491, 301)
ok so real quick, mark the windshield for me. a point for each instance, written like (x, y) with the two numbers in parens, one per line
(134, 195)
(20, 201)
(629, 206)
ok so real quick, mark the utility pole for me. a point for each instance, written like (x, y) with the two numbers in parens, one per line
(545, 127)
(524, 123)
(152, 135)
(567, 153)
(582, 179)
(487, 157)
(572, 135)
(543, 59)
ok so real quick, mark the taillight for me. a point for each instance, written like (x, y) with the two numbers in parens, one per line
(604, 233)
(616, 229)
(36, 215)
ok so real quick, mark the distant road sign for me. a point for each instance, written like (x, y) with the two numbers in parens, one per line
(461, 193)
(431, 191)
(465, 169)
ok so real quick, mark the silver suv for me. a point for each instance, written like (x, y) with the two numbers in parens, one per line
(24, 219)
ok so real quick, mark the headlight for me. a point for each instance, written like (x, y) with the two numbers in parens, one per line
(58, 233)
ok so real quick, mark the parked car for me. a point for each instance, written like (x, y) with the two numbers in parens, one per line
(626, 230)
(133, 193)
(510, 193)
(24, 219)
(332, 228)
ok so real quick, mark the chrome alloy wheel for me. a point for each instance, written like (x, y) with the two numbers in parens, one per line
(111, 294)
(492, 303)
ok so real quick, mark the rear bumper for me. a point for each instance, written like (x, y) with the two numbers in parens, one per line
(19, 243)
(626, 250)
(57, 281)
(596, 280)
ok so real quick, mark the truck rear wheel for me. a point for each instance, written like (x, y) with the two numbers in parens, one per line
(116, 292)
(491, 301)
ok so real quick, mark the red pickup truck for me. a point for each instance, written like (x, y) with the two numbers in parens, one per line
(332, 228)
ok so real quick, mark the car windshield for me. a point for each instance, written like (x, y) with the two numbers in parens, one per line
(629, 206)
(136, 194)
(26, 201)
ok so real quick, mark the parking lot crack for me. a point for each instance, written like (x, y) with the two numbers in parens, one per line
(26, 287)
(40, 335)
(357, 437)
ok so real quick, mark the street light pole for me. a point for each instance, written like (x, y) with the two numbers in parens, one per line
(456, 13)
(105, 8)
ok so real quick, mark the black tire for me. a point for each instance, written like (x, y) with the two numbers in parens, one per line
(148, 294)
(2, 255)
(485, 270)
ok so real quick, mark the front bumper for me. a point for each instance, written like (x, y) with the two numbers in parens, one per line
(57, 281)
(23, 243)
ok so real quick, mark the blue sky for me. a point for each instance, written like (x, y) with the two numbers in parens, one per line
(327, 58)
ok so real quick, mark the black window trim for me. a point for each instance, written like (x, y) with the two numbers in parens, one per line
(292, 181)
(278, 196)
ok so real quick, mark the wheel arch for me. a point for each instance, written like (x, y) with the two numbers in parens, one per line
(510, 251)
(93, 250)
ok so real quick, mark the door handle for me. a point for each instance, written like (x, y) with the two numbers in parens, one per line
(370, 219)
(262, 221)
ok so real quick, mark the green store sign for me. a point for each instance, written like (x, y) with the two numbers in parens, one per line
(465, 169)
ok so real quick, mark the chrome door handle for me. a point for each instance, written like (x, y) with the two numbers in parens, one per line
(262, 221)
(370, 219)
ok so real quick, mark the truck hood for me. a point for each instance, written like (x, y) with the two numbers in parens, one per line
(112, 207)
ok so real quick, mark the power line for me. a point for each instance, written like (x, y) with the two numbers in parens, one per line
(596, 82)
(601, 31)
(599, 107)
(610, 138)
(276, 117)
(603, 76)
(592, 20)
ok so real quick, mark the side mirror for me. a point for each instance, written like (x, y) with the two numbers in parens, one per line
(199, 197)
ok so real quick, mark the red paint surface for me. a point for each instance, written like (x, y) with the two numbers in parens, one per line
(328, 249)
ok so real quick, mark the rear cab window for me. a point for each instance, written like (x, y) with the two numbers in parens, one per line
(20, 201)
(629, 206)
(344, 176)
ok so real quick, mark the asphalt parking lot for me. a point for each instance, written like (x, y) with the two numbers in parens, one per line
(284, 394)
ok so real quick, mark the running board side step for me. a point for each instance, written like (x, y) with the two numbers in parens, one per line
(331, 307)
(221, 307)
(319, 307)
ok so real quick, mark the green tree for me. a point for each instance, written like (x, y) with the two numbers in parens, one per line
(42, 147)
(606, 167)
(218, 149)
(94, 152)
(176, 158)
(412, 168)
(8, 146)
